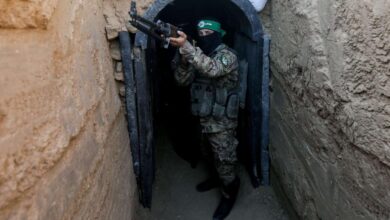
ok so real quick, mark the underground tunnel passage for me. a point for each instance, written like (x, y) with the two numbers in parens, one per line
(314, 154)
(64, 144)
(163, 108)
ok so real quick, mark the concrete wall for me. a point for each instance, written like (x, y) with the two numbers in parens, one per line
(64, 147)
(330, 119)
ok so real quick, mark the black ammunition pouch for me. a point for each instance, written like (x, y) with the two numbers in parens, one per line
(202, 99)
(207, 100)
(232, 106)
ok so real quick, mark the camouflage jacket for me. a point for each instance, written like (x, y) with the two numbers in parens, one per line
(221, 67)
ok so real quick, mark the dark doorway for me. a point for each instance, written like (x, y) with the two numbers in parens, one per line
(160, 103)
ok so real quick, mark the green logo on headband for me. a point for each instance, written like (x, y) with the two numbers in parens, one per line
(211, 25)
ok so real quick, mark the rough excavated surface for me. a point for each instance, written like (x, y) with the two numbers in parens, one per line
(26, 13)
(330, 120)
(64, 147)
(116, 13)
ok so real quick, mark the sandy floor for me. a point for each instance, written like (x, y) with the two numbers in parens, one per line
(175, 197)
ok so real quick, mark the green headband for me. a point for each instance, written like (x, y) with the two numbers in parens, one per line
(211, 25)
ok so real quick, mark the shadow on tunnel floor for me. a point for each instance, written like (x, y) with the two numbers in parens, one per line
(175, 197)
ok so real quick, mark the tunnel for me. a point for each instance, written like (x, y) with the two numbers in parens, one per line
(157, 106)
(65, 148)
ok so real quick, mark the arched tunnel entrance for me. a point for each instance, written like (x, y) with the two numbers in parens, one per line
(156, 103)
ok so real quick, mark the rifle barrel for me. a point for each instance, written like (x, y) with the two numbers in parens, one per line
(147, 30)
(146, 21)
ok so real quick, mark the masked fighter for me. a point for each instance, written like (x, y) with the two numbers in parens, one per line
(211, 71)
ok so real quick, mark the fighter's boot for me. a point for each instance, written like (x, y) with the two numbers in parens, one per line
(209, 184)
(228, 199)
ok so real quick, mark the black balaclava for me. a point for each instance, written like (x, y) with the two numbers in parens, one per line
(210, 42)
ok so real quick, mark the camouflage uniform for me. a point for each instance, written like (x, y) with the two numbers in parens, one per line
(221, 68)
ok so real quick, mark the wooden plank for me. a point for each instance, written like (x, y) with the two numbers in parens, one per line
(145, 125)
(130, 99)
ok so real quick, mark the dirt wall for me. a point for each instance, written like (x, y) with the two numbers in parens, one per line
(330, 117)
(64, 147)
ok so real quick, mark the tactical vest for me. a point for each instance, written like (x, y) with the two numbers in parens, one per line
(209, 98)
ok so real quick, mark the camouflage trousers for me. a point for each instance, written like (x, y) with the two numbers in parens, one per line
(220, 150)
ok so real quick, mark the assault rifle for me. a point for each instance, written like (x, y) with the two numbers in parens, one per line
(160, 30)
